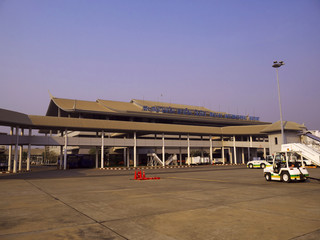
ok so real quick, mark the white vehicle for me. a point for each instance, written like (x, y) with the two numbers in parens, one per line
(258, 163)
(286, 167)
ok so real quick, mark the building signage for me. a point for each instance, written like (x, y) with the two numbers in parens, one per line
(186, 111)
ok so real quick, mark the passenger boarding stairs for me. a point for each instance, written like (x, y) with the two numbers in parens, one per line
(154, 160)
(305, 151)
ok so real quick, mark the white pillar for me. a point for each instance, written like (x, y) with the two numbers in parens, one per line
(135, 149)
(102, 149)
(211, 149)
(180, 152)
(65, 149)
(21, 152)
(201, 137)
(249, 148)
(230, 155)
(124, 156)
(29, 151)
(188, 140)
(163, 152)
(222, 151)
(234, 150)
(15, 161)
(61, 157)
(264, 153)
(242, 155)
(10, 152)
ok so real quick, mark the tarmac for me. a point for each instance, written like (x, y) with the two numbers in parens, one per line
(203, 202)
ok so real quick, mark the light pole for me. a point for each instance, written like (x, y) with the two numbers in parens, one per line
(276, 65)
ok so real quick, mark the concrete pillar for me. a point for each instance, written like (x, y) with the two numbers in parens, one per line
(180, 152)
(124, 156)
(65, 149)
(249, 148)
(61, 157)
(135, 149)
(201, 148)
(29, 151)
(211, 159)
(234, 150)
(128, 157)
(188, 140)
(10, 152)
(163, 152)
(102, 149)
(222, 151)
(242, 155)
(97, 157)
(21, 152)
(15, 161)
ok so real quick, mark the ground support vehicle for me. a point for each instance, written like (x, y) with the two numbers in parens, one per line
(286, 168)
(258, 164)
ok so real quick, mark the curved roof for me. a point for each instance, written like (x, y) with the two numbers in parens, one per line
(80, 105)
(142, 103)
(119, 106)
(289, 126)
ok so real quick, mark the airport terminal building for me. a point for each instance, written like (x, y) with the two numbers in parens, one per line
(140, 132)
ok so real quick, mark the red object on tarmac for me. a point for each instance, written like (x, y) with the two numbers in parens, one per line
(142, 176)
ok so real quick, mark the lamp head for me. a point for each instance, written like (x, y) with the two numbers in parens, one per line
(277, 64)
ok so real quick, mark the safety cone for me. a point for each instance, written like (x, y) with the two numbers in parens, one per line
(135, 175)
(144, 176)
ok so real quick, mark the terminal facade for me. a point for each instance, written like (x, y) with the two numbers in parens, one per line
(142, 132)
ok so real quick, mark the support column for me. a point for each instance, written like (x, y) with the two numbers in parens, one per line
(211, 149)
(10, 152)
(29, 151)
(230, 155)
(21, 152)
(180, 152)
(124, 156)
(242, 155)
(61, 157)
(135, 149)
(128, 157)
(102, 149)
(234, 150)
(163, 152)
(97, 157)
(65, 150)
(222, 151)
(15, 161)
(201, 149)
(188, 140)
(249, 148)
(97, 152)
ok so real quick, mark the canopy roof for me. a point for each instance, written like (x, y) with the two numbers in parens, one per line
(11, 118)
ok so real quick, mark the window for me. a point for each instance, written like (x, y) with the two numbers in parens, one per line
(276, 140)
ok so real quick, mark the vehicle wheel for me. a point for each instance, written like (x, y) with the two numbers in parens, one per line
(250, 165)
(262, 165)
(286, 177)
(268, 176)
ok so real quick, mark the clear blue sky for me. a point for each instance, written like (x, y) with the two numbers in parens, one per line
(216, 54)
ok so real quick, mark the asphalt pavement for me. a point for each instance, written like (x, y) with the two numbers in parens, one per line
(204, 202)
